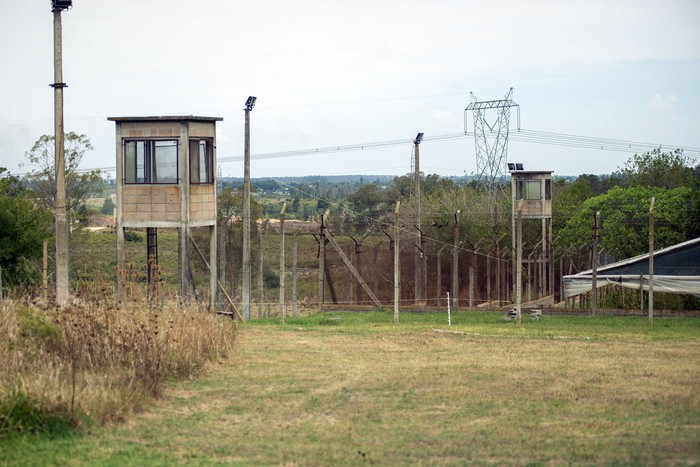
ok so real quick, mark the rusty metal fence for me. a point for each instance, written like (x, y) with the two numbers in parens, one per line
(318, 267)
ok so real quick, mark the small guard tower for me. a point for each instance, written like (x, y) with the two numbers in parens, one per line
(166, 179)
(534, 188)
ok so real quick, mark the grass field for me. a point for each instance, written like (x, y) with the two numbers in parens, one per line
(350, 388)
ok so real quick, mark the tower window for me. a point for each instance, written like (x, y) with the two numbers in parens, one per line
(201, 161)
(150, 161)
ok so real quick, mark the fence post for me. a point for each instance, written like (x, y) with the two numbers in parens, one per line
(321, 263)
(519, 264)
(283, 211)
(294, 277)
(455, 262)
(594, 264)
(352, 289)
(439, 276)
(261, 289)
(651, 261)
(397, 275)
(44, 272)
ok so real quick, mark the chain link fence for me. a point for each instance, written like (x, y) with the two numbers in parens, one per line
(303, 267)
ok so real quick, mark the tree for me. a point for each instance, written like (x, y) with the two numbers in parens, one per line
(657, 169)
(368, 204)
(79, 186)
(322, 204)
(625, 219)
(107, 207)
(568, 198)
(23, 228)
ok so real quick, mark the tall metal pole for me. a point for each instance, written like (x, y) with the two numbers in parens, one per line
(247, 269)
(62, 286)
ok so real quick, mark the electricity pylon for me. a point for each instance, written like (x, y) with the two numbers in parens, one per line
(492, 159)
(491, 145)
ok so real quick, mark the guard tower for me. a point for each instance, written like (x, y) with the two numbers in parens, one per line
(534, 189)
(166, 179)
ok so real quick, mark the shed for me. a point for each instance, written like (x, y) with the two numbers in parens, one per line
(676, 270)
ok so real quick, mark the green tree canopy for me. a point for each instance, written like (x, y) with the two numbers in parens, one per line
(23, 228)
(657, 169)
(367, 205)
(625, 219)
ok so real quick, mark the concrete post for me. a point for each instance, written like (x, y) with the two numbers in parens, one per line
(62, 285)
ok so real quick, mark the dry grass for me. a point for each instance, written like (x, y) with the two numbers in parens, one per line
(305, 394)
(97, 362)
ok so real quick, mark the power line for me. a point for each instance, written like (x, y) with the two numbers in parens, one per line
(523, 135)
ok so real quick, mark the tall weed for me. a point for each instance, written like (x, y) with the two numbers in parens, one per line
(96, 361)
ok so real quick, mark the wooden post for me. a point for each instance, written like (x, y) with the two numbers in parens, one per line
(594, 264)
(651, 261)
(283, 310)
(455, 262)
(397, 275)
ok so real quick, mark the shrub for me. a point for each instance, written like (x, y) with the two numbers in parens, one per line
(37, 330)
(131, 236)
(22, 413)
(95, 362)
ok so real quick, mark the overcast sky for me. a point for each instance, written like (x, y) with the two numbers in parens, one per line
(336, 73)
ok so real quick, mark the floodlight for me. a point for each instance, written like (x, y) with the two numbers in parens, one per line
(250, 103)
(419, 138)
(519, 166)
(511, 166)
(60, 5)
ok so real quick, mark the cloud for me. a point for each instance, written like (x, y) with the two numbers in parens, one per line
(448, 120)
(659, 102)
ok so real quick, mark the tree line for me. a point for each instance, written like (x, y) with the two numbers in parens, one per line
(367, 202)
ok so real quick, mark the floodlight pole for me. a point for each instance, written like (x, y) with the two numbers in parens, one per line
(246, 292)
(418, 264)
(62, 283)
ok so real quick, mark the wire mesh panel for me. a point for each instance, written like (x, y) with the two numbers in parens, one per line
(356, 275)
